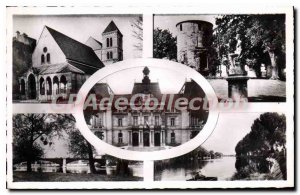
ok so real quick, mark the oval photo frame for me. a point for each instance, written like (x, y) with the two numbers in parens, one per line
(145, 155)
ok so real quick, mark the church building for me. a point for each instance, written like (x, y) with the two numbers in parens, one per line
(60, 64)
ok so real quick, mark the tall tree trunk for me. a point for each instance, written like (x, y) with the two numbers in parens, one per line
(91, 158)
(29, 168)
(274, 65)
(122, 168)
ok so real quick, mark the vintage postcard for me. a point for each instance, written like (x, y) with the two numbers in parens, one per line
(150, 98)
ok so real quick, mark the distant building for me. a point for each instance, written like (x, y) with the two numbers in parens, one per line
(194, 40)
(145, 129)
(60, 64)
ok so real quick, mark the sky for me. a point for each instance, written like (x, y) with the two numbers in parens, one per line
(229, 131)
(169, 21)
(80, 28)
(223, 139)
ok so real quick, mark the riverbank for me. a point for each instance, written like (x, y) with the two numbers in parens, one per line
(66, 177)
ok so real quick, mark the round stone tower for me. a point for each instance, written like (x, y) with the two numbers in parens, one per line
(193, 42)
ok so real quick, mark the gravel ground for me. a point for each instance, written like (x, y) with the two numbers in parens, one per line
(258, 89)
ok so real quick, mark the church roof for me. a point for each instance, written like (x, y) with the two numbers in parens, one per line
(57, 68)
(112, 27)
(76, 51)
(94, 43)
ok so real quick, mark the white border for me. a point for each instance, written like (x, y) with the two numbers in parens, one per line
(186, 7)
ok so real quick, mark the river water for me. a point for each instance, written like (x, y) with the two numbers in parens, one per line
(222, 168)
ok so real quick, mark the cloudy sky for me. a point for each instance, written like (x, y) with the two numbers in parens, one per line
(80, 28)
(169, 21)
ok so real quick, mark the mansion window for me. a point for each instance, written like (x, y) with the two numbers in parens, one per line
(146, 122)
(172, 121)
(180, 26)
(120, 137)
(135, 121)
(120, 122)
(172, 138)
(111, 55)
(156, 120)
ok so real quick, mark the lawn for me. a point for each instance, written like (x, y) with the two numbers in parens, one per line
(19, 176)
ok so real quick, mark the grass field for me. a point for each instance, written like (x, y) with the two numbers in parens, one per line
(66, 177)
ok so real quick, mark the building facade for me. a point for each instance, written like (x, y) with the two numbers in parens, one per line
(194, 40)
(60, 64)
(148, 129)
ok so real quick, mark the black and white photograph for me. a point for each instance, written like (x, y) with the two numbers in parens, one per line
(49, 148)
(161, 97)
(54, 55)
(242, 56)
(254, 148)
(150, 115)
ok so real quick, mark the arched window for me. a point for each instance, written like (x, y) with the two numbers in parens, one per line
(110, 41)
(120, 137)
(48, 57)
(42, 86)
(107, 42)
(56, 85)
(49, 86)
(63, 84)
(111, 55)
(107, 55)
(172, 138)
(22, 87)
(42, 59)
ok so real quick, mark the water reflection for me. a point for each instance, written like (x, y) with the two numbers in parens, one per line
(222, 168)
(80, 167)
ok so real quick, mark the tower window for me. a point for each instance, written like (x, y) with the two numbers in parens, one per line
(42, 59)
(111, 42)
(48, 57)
(180, 26)
(111, 55)
(107, 42)
(107, 55)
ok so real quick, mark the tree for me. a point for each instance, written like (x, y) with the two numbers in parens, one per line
(266, 139)
(137, 30)
(164, 44)
(81, 148)
(29, 130)
(260, 35)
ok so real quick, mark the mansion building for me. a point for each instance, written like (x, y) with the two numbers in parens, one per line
(144, 129)
(60, 64)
